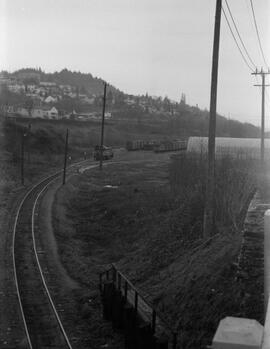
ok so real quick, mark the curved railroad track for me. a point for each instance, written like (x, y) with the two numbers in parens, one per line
(42, 324)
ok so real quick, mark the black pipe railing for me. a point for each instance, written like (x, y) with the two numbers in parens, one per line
(132, 294)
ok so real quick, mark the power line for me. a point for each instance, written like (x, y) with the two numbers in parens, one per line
(257, 32)
(240, 38)
(234, 38)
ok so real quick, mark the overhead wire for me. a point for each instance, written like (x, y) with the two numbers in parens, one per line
(247, 57)
(258, 35)
(238, 33)
(237, 44)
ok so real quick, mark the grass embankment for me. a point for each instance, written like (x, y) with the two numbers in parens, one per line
(150, 223)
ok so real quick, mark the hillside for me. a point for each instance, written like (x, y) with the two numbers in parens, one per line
(85, 82)
(69, 91)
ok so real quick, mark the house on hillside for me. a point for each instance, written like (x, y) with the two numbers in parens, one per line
(37, 112)
(72, 95)
(53, 113)
(22, 111)
(47, 84)
(45, 113)
(88, 100)
(16, 88)
(9, 110)
(50, 99)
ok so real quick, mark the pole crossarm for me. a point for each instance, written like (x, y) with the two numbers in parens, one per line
(261, 73)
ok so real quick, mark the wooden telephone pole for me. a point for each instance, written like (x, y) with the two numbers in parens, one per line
(262, 73)
(102, 127)
(209, 211)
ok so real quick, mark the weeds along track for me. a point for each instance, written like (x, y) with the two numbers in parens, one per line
(42, 323)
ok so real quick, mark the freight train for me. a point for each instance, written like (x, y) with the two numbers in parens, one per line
(157, 146)
(140, 145)
(167, 146)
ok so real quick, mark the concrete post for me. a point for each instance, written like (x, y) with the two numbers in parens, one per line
(238, 333)
(266, 333)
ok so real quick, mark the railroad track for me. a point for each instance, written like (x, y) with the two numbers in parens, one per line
(42, 324)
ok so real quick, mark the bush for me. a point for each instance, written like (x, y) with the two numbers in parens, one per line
(235, 183)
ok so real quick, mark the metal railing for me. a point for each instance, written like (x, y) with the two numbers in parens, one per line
(140, 304)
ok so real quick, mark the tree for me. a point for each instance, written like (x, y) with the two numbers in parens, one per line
(109, 98)
(183, 99)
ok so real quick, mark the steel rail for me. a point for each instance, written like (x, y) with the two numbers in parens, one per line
(14, 259)
(54, 176)
(39, 266)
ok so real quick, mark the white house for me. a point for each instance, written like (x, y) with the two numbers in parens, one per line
(16, 88)
(47, 84)
(39, 112)
(88, 100)
(50, 99)
(53, 113)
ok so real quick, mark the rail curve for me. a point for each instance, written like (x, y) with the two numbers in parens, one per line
(42, 324)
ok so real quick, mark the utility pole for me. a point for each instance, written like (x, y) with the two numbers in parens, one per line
(102, 127)
(262, 73)
(65, 159)
(209, 211)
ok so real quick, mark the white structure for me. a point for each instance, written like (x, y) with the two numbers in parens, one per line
(47, 84)
(16, 88)
(52, 113)
(38, 112)
(238, 333)
(50, 99)
(248, 147)
(88, 100)
(108, 115)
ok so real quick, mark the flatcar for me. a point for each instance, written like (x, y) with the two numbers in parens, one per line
(167, 146)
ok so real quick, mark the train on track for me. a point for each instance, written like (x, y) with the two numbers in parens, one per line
(157, 146)
(107, 153)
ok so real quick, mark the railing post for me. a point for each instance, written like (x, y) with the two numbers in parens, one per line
(174, 340)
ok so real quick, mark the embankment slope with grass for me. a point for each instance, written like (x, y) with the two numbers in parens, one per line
(139, 216)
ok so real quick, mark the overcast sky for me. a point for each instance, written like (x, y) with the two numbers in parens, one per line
(163, 47)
